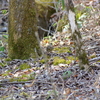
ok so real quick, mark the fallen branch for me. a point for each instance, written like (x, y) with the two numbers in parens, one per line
(94, 59)
(9, 83)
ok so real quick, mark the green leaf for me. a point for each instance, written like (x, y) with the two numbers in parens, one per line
(2, 48)
(83, 16)
(4, 11)
(78, 15)
(67, 74)
(5, 36)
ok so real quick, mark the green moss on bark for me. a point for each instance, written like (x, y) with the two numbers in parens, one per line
(22, 41)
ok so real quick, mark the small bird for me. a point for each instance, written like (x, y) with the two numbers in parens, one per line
(49, 48)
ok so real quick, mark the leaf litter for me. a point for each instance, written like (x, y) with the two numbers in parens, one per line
(42, 80)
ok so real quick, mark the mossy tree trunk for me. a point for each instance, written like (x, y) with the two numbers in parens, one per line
(23, 42)
(76, 36)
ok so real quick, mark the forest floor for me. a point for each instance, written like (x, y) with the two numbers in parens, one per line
(56, 75)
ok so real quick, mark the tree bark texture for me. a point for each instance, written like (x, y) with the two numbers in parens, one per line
(22, 29)
(76, 36)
